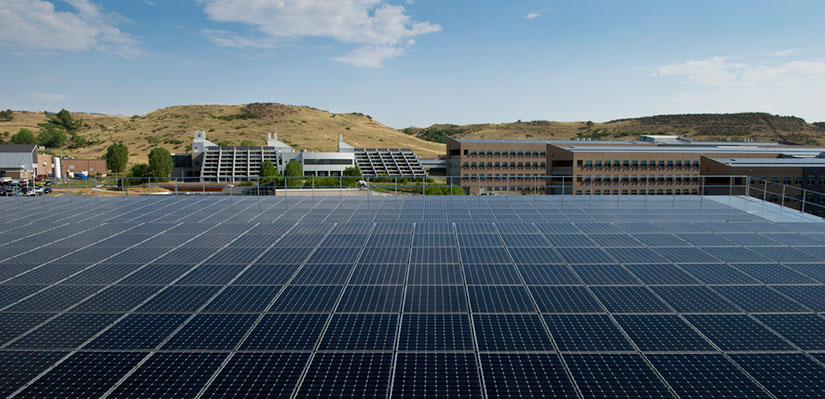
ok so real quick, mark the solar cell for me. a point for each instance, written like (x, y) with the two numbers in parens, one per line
(211, 331)
(705, 376)
(138, 331)
(806, 331)
(662, 333)
(307, 298)
(605, 275)
(615, 376)
(435, 299)
(536, 375)
(773, 273)
(366, 298)
(629, 300)
(500, 299)
(270, 375)
(66, 331)
(661, 274)
(435, 332)
(243, 299)
(786, 375)
(579, 255)
(511, 332)
(170, 375)
(737, 332)
(717, 273)
(586, 333)
(694, 299)
(83, 375)
(758, 299)
(360, 332)
(436, 374)
(322, 274)
(19, 367)
(179, 299)
(812, 296)
(357, 374)
(435, 274)
(565, 300)
(491, 274)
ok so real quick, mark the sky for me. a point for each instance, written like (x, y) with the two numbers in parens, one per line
(418, 62)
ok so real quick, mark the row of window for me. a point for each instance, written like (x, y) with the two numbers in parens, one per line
(637, 163)
(500, 176)
(506, 152)
(638, 179)
(812, 179)
(504, 164)
(640, 192)
(528, 189)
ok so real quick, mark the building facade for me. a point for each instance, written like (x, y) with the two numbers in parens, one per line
(18, 161)
(497, 166)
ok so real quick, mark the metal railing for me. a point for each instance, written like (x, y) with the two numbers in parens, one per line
(786, 195)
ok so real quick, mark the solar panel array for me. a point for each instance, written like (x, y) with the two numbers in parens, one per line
(409, 296)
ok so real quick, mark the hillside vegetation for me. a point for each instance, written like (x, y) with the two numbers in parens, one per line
(88, 135)
(173, 128)
(710, 127)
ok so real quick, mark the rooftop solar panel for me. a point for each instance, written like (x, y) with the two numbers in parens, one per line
(409, 296)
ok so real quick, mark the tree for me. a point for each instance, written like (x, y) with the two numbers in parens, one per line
(117, 156)
(64, 119)
(51, 137)
(138, 172)
(6, 116)
(247, 143)
(352, 171)
(24, 136)
(268, 170)
(160, 162)
(293, 169)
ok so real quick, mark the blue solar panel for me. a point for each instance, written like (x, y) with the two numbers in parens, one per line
(409, 296)
(586, 333)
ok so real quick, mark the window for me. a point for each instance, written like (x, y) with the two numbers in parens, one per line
(695, 164)
(625, 164)
(799, 180)
(520, 164)
(811, 179)
(521, 152)
(465, 152)
(679, 163)
(544, 164)
(598, 164)
(579, 163)
(473, 152)
(644, 163)
(466, 164)
(543, 153)
(786, 180)
(578, 192)
(473, 164)
(662, 163)
(498, 164)
(588, 164)
(635, 163)
(489, 152)
(669, 163)
(489, 164)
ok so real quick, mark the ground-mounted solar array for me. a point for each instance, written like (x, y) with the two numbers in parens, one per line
(411, 296)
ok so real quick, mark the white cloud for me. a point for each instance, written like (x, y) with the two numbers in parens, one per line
(720, 84)
(786, 52)
(35, 24)
(380, 30)
(532, 15)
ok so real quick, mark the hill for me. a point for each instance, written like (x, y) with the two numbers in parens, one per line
(173, 128)
(710, 127)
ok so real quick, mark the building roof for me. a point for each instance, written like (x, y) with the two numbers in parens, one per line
(719, 147)
(18, 148)
(772, 162)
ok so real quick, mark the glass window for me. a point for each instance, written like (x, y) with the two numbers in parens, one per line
(588, 164)
(473, 152)
(598, 164)
(644, 163)
(579, 163)
(669, 163)
(679, 163)
(635, 163)
(625, 164)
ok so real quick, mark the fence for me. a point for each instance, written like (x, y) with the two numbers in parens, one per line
(786, 195)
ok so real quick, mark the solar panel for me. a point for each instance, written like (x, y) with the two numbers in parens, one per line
(705, 376)
(615, 376)
(409, 296)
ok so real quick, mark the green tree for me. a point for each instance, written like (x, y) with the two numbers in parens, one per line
(117, 156)
(160, 162)
(247, 143)
(51, 137)
(24, 136)
(293, 169)
(352, 171)
(138, 173)
(64, 119)
(6, 116)
(268, 172)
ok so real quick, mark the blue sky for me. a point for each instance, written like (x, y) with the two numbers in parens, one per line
(415, 63)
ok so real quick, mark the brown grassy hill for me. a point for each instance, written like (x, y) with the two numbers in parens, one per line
(173, 127)
(711, 127)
